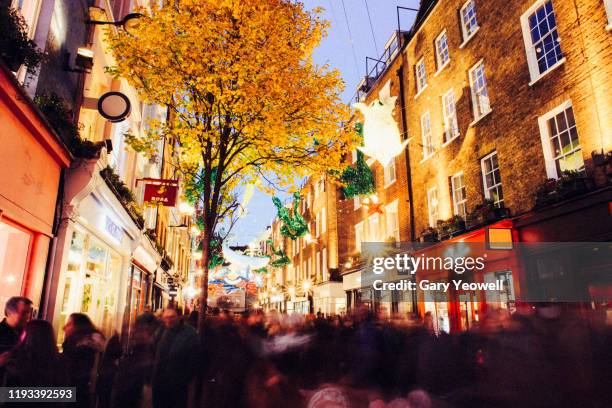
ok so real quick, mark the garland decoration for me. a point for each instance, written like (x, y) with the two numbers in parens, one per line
(293, 226)
(358, 180)
(282, 258)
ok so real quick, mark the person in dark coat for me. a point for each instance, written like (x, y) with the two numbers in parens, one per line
(35, 361)
(82, 350)
(175, 362)
(17, 312)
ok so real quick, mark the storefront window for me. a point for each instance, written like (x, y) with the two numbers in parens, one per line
(503, 299)
(91, 281)
(14, 248)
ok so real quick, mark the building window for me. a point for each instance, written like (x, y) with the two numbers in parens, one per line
(317, 224)
(421, 76)
(428, 148)
(356, 202)
(469, 23)
(324, 260)
(562, 150)
(442, 55)
(392, 221)
(608, 4)
(373, 222)
(323, 220)
(389, 173)
(480, 94)
(459, 195)
(451, 128)
(432, 206)
(491, 179)
(358, 236)
(541, 38)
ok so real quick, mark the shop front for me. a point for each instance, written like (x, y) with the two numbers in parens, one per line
(329, 298)
(32, 160)
(95, 246)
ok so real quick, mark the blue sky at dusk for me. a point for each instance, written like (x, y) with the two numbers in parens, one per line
(345, 49)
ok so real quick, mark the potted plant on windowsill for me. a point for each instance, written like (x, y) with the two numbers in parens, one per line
(451, 227)
(487, 213)
(572, 184)
(429, 235)
(15, 47)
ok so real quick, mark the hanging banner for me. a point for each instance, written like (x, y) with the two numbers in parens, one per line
(161, 192)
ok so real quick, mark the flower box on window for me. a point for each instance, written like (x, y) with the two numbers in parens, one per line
(486, 213)
(451, 227)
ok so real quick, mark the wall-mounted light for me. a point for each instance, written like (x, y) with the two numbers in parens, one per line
(129, 23)
(114, 106)
(83, 61)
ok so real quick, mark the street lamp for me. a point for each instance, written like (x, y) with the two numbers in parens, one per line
(129, 23)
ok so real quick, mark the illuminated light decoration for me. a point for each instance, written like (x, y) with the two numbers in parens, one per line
(294, 226)
(291, 290)
(186, 208)
(195, 230)
(246, 198)
(381, 136)
(282, 258)
(306, 285)
(252, 262)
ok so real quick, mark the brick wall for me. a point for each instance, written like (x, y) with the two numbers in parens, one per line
(512, 127)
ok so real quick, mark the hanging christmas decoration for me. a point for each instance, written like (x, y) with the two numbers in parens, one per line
(281, 257)
(240, 260)
(381, 136)
(294, 226)
(358, 180)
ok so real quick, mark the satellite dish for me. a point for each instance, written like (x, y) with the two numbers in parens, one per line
(114, 106)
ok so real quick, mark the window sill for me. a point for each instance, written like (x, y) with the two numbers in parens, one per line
(389, 184)
(475, 122)
(551, 69)
(420, 92)
(424, 159)
(451, 140)
(467, 40)
(442, 68)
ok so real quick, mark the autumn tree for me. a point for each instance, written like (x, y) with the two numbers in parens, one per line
(247, 101)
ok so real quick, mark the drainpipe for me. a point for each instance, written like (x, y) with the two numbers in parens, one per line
(402, 98)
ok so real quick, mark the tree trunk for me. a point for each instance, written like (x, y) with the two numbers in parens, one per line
(204, 285)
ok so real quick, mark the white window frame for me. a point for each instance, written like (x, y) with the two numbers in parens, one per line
(392, 215)
(442, 64)
(608, 5)
(478, 110)
(458, 204)
(433, 216)
(545, 136)
(390, 173)
(451, 124)
(468, 36)
(356, 202)
(532, 60)
(487, 188)
(324, 264)
(323, 220)
(427, 136)
(420, 76)
(373, 227)
(359, 236)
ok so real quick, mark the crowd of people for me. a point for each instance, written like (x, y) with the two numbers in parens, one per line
(549, 356)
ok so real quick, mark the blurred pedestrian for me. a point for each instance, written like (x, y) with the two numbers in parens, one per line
(17, 312)
(175, 361)
(81, 351)
(35, 361)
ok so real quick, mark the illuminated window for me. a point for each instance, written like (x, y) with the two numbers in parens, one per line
(459, 195)
(14, 250)
(499, 238)
(358, 236)
(541, 37)
(608, 4)
(442, 54)
(428, 147)
(432, 206)
(480, 94)
(421, 76)
(491, 179)
(449, 109)
(562, 150)
(389, 173)
(392, 221)
(469, 22)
